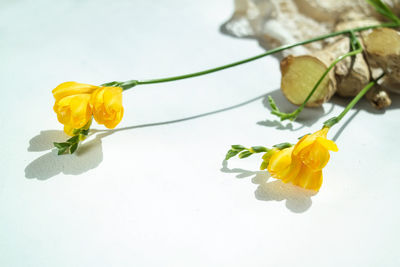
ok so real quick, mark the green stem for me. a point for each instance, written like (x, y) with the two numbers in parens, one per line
(129, 84)
(294, 114)
(355, 44)
(352, 53)
(334, 120)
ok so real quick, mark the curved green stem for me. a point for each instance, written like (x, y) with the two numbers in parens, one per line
(334, 120)
(129, 84)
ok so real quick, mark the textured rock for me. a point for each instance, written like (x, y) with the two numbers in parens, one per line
(279, 22)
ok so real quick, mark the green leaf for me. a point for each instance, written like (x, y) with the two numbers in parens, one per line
(85, 132)
(245, 154)
(231, 153)
(383, 9)
(238, 147)
(264, 165)
(58, 145)
(73, 140)
(61, 150)
(61, 145)
(283, 145)
(73, 148)
(272, 104)
(354, 43)
(259, 149)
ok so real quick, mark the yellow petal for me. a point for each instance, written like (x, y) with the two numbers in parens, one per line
(80, 110)
(303, 143)
(97, 97)
(69, 130)
(311, 179)
(72, 88)
(290, 174)
(309, 139)
(322, 133)
(280, 160)
(74, 110)
(107, 106)
(315, 156)
(328, 144)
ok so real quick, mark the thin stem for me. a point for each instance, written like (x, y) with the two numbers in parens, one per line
(352, 53)
(335, 120)
(358, 97)
(355, 44)
(129, 84)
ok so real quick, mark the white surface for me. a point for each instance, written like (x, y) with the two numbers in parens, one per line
(158, 194)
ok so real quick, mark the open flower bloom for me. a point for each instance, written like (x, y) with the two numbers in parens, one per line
(302, 164)
(107, 106)
(73, 111)
(72, 105)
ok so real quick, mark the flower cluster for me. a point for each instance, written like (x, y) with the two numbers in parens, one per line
(299, 164)
(302, 164)
(77, 103)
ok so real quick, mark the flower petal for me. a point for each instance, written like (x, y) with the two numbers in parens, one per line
(303, 143)
(72, 88)
(280, 160)
(312, 179)
(327, 144)
(69, 130)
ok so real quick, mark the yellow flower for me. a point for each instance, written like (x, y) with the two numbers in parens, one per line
(107, 106)
(72, 105)
(72, 88)
(313, 149)
(73, 111)
(302, 164)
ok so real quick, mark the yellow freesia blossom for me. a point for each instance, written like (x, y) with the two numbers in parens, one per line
(302, 164)
(107, 106)
(73, 111)
(72, 105)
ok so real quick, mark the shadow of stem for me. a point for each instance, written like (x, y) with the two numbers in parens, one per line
(90, 153)
(297, 199)
(306, 118)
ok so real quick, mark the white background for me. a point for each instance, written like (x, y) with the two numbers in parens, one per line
(158, 193)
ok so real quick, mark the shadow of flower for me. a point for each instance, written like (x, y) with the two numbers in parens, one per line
(44, 140)
(87, 157)
(297, 199)
(90, 153)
